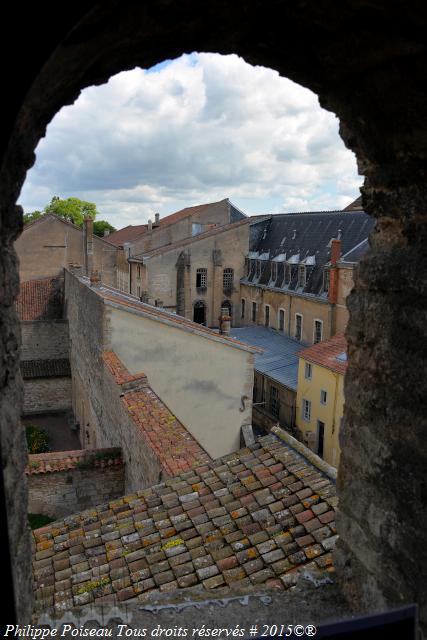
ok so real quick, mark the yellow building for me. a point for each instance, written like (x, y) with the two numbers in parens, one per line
(320, 396)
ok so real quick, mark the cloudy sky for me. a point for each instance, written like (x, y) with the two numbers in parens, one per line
(197, 129)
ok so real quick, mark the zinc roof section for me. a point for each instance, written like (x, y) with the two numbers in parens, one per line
(279, 360)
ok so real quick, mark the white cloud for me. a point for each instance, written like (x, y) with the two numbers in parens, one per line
(198, 129)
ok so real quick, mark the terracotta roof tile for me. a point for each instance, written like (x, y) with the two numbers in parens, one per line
(127, 234)
(206, 527)
(45, 368)
(34, 301)
(64, 460)
(331, 353)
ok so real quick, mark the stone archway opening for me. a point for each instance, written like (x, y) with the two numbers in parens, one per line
(381, 481)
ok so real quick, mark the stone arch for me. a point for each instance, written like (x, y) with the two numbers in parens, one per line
(367, 62)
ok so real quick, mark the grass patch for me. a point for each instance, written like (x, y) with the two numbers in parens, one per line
(37, 439)
(37, 520)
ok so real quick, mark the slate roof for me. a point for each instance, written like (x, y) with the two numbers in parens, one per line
(304, 238)
(37, 300)
(256, 516)
(41, 463)
(53, 368)
(331, 353)
(279, 360)
(174, 447)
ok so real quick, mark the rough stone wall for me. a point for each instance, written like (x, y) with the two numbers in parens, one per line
(48, 245)
(44, 339)
(63, 493)
(47, 394)
(97, 405)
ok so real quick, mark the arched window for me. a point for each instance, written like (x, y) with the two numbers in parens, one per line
(227, 279)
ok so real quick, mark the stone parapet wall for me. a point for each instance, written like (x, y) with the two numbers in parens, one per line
(65, 482)
(44, 339)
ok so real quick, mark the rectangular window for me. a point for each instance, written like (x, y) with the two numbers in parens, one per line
(318, 330)
(227, 279)
(298, 326)
(242, 308)
(326, 280)
(253, 311)
(267, 315)
(196, 228)
(281, 320)
(201, 278)
(301, 276)
(323, 396)
(274, 402)
(308, 371)
(306, 410)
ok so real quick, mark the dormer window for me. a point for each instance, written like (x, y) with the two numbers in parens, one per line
(302, 274)
(287, 274)
(274, 271)
(326, 279)
(258, 268)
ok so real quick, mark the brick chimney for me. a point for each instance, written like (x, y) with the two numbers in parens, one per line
(88, 245)
(333, 271)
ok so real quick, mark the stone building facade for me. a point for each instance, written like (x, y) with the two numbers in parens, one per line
(197, 276)
(51, 243)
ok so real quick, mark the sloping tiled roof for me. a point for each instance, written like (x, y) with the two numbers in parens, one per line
(36, 300)
(252, 517)
(185, 242)
(331, 353)
(174, 447)
(201, 208)
(40, 463)
(127, 234)
(299, 237)
(53, 368)
(356, 205)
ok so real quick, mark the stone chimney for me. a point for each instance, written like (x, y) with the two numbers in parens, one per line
(88, 245)
(333, 272)
(95, 278)
(157, 218)
(106, 232)
(150, 225)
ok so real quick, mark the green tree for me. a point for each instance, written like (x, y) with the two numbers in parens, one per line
(30, 217)
(72, 209)
(99, 227)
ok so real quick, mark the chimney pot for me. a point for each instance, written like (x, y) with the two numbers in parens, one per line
(157, 218)
(150, 225)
